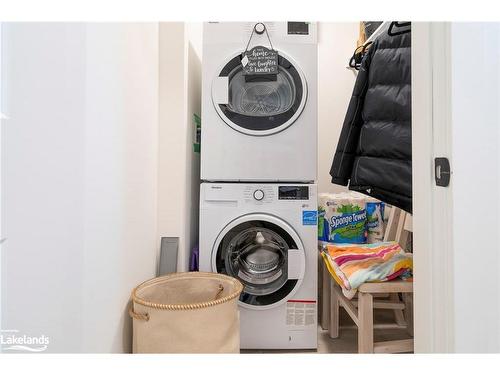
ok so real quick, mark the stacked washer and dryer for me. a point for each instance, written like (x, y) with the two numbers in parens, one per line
(258, 198)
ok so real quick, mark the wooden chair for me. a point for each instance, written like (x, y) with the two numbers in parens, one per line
(371, 296)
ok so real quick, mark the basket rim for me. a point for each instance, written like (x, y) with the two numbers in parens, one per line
(191, 306)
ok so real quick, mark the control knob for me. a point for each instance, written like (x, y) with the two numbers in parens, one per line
(258, 194)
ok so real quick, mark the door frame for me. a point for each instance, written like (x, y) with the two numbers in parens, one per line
(3, 118)
(433, 208)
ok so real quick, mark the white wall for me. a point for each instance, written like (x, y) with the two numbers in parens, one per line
(336, 44)
(120, 166)
(79, 179)
(475, 90)
(179, 170)
(172, 141)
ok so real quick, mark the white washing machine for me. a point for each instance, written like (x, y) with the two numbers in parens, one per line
(264, 129)
(265, 235)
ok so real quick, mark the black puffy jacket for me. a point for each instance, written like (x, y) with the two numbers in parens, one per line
(374, 151)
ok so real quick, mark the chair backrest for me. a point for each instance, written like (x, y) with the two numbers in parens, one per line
(399, 227)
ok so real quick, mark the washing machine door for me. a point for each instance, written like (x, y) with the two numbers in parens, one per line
(265, 254)
(261, 105)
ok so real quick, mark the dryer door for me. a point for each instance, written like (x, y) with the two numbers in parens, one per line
(262, 105)
(265, 254)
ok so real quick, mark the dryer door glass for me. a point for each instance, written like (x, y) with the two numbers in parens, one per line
(261, 105)
(256, 253)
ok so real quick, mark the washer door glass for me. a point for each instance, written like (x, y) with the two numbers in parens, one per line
(256, 253)
(261, 105)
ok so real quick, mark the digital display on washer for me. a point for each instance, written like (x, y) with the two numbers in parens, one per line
(293, 192)
(298, 28)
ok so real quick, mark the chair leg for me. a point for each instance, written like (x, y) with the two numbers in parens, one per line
(333, 329)
(325, 296)
(365, 326)
(408, 301)
(398, 314)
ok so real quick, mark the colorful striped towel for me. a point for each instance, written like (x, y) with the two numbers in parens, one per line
(352, 265)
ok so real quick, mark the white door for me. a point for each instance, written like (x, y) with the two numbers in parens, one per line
(456, 100)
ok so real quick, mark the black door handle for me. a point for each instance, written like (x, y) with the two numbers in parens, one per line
(442, 171)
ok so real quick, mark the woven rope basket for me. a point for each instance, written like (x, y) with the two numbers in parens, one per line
(192, 312)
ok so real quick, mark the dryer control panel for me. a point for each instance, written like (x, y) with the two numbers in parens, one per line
(220, 33)
(298, 28)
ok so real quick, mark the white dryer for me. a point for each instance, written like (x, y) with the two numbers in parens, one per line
(265, 235)
(263, 130)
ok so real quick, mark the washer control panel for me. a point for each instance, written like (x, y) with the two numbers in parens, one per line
(258, 194)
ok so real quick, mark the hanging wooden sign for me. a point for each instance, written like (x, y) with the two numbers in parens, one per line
(260, 61)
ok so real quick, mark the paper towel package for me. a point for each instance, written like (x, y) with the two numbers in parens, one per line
(375, 220)
(342, 218)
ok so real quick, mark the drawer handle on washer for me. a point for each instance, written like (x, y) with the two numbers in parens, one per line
(220, 90)
(295, 264)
